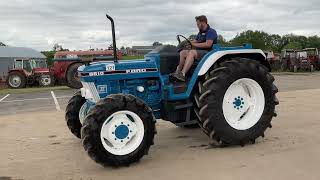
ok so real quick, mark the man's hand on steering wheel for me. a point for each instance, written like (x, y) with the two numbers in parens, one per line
(186, 44)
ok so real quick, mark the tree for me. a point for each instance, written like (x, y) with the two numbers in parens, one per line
(50, 56)
(57, 47)
(313, 41)
(222, 41)
(2, 44)
(293, 45)
(123, 50)
(157, 44)
(258, 39)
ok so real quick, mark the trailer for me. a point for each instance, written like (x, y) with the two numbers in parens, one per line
(66, 64)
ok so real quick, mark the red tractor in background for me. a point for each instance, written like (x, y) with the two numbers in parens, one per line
(66, 64)
(294, 60)
(313, 57)
(288, 57)
(29, 72)
(302, 62)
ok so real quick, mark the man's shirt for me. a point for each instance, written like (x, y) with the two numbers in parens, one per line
(208, 34)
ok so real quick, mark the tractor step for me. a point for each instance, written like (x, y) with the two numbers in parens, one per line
(179, 87)
(178, 112)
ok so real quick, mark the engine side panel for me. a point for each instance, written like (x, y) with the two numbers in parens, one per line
(139, 78)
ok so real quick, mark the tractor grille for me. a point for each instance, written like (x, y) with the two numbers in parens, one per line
(89, 86)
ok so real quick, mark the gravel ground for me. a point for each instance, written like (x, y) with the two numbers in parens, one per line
(38, 145)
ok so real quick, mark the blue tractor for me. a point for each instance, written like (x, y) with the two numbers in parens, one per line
(229, 94)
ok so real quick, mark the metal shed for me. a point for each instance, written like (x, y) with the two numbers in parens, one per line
(8, 54)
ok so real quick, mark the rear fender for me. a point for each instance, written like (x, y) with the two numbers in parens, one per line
(22, 71)
(211, 60)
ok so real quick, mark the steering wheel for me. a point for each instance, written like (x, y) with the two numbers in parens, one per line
(186, 44)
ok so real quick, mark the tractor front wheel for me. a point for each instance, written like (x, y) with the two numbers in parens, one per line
(16, 80)
(75, 113)
(46, 80)
(236, 102)
(118, 131)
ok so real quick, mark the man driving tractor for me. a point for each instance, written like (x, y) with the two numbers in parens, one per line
(200, 46)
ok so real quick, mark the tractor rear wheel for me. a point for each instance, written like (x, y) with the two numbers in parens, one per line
(73, 116)
(119, 130)
(16, 80)
(236, 102)
(73, 80)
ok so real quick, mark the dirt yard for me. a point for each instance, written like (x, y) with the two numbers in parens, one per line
(36, 145)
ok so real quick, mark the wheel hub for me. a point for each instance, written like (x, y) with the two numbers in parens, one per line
(119, 130)
(45, 80)
(15, 81)
(243, 104)
(122, 132)
(238, 102)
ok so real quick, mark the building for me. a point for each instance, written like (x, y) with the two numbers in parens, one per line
(9, 54)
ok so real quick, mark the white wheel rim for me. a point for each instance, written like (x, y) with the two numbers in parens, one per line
(122, 132)
(15, 81)
(46, 81)
(243, 104)
(83, 112)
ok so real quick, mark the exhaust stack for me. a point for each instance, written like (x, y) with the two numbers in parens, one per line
(113, 39)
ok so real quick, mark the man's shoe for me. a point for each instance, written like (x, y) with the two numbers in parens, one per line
(179, 76)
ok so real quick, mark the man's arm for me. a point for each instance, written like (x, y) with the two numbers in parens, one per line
(205, 45)
(211, 36)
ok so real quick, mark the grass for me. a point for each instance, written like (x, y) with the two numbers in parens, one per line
(31, 90)
(132, 57)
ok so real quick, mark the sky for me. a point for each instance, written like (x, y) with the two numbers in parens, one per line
(81, 24)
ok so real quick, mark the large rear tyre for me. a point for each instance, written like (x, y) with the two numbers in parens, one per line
(73, 115)
(16, 80)
(73, 80)
(118, 131)
(236, 102)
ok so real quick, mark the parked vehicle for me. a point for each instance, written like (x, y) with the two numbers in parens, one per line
(274, 60)
(302, 62)
(66, 64)
(313, 56)
(288, 58)
(230, 94)
(29, 72)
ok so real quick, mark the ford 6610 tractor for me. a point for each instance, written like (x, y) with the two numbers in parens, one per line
(230, 94)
